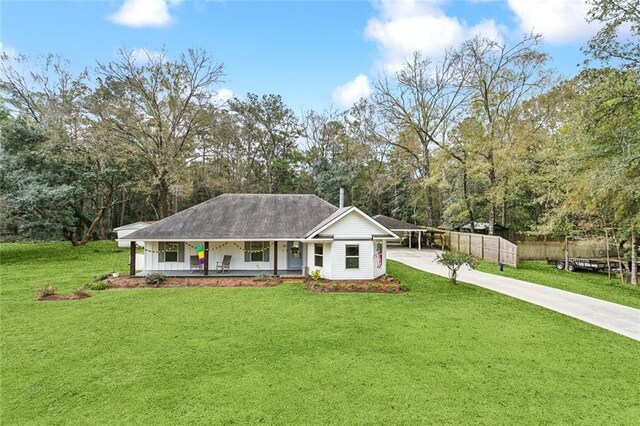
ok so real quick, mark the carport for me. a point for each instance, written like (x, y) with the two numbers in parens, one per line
(399, 226)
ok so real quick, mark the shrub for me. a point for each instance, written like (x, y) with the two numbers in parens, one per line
(315, 274)
(80, 290)
(453, 261)
(155, 278)
(101, 285)
(46, 290)
(261, 277)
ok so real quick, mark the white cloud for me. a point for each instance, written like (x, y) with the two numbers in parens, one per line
(144, 13)
(222, 96)
(142, 55)
(10, 52)
(351, 92)
(559, 21)
(407, 26)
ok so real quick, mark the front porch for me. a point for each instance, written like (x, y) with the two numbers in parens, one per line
(249, 258)
(232, 273)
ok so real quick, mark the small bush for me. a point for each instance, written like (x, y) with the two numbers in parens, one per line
(453, 261)
(315, 274)
(334, 286)
(80, 291)
(101, 285)
(261, 277)
(155, 278)
(46, 290)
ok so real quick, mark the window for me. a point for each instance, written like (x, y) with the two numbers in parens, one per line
(256, 251)
(170, 252)
(318, 251)
(352, 257)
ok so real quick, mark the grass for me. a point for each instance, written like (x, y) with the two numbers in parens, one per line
(283, 355)
(592, 284)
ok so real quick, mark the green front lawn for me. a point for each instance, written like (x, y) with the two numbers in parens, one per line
(436, 354)
(594, 284)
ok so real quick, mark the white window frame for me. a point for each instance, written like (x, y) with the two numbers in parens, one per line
(316, 255)
(348, 256)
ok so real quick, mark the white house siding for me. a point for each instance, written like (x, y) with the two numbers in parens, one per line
(124, 233)
(140, 261)
(325, 270)
(352, 225)
(338, 269)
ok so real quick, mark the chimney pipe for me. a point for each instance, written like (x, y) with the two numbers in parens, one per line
(341, 197)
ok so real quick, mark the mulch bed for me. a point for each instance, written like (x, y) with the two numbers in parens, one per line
(174, 282)
(383, 284)
(71, 296)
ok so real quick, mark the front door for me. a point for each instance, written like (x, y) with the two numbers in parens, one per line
(294, 255)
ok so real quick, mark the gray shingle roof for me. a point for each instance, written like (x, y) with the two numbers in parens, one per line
(395, 224)
(242, 216)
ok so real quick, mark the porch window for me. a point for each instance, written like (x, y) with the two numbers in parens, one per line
(170, 252)
(318, 254)
(352, 257)
(256, 251)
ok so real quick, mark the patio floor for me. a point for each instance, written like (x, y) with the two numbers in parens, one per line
(232, 273)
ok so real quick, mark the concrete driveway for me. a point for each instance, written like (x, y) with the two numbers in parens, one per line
(610, 316)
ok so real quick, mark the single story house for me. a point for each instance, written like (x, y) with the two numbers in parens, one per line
(125, 230)
(251, 234)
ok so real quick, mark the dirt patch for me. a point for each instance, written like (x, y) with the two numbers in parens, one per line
(173, 282)
(71, 296)
(384, 284)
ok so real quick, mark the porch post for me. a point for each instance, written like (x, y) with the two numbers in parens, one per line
(132, 259)
(304, 254)
(419, 240)
(206, 257)
(275, 258)
(409, 239)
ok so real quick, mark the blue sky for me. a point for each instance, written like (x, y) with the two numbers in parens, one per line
(314, 53)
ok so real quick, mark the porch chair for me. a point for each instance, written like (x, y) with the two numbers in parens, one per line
(194, 264)
(226, 261)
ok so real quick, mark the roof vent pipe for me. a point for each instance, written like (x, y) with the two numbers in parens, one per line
(341, 197)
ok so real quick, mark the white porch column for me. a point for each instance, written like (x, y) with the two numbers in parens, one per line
(409, 239)
(419, 240)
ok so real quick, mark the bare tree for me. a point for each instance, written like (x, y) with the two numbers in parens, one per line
(157, 107)
(421, 100)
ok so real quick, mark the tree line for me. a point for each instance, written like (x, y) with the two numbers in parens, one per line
(488, 133)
